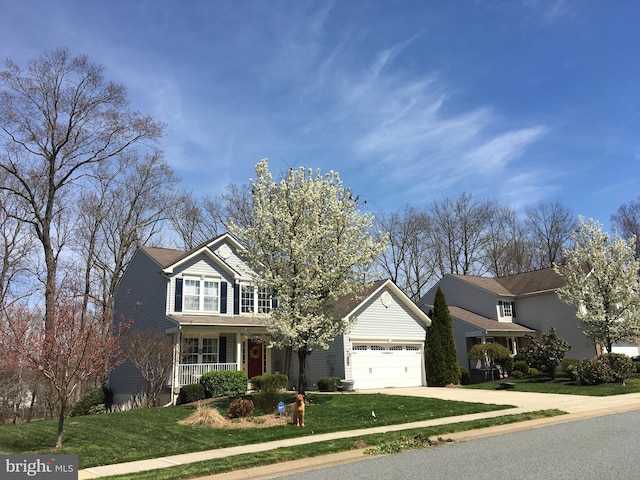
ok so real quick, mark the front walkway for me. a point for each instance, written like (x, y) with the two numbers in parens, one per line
(577, 405)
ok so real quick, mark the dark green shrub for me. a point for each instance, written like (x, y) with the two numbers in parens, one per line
(190, 393)
(521, 366)
(517, 374)
(506, 364)
(621, 366)
(270, 382)
(271, 389)
(570, 367)
(224, 383)
(546, 353)
(97, 401)
(465, 377)
(240, 408)
(520, 357)
(593, 371)
(328, 384)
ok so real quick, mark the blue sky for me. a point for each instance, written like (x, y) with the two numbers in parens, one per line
(410, 101)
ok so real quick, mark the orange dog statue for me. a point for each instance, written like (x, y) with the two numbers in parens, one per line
(298, 411)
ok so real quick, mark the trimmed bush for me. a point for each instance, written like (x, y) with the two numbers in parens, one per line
(271, 389)
(522, 366)
(465, 377)
(570, 366)
(190, 393)
(224, 383)
(621, 366)
(517, 374)
(270, 382)
(593, 371)
(97, 401)
(240, 408)
(534, 371)
(328, 384)
(607, 368)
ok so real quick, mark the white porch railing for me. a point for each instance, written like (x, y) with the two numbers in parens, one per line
(191, 372)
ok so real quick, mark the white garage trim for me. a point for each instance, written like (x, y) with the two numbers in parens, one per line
(384, 364)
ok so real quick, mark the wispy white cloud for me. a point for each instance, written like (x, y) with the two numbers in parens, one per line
(527, 187)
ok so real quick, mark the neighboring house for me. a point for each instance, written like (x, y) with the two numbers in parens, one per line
(207, 301)
(507, 309)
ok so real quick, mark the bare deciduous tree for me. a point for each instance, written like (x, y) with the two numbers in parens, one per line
(59, 117)
(152, 354)
(459, 234)
(627, 221)
(549, 225)
(407, 260)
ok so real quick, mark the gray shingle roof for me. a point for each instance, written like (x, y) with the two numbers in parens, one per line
(485, 323)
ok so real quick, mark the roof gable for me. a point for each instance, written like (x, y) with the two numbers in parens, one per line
(347, 305)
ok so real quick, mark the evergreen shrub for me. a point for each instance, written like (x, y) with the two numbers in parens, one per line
(190, 393)
(329, 384)
(465, 377)
(96, 401)
(522, 366)
(270, 382)
(224, 383)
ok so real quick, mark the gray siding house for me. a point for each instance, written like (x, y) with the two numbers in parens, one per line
(507, 309)
(206, 300)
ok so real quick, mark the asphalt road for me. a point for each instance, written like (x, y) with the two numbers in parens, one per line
(604, 447)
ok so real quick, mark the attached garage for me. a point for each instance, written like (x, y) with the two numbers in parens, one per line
(382, 366)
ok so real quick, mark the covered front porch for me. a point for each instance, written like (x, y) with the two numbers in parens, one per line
(201, 349)
(513, 341)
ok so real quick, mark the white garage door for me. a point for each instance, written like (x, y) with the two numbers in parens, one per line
(382, 366)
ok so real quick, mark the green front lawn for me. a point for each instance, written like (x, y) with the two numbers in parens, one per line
(541, 384)
(149, 433)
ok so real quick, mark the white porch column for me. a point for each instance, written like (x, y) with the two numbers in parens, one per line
(176, 365)
(239, 351)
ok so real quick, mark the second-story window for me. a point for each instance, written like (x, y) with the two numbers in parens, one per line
(201, 295)
(255, 299)
(247, 299)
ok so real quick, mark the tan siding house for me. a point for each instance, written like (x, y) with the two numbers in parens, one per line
(508, 309)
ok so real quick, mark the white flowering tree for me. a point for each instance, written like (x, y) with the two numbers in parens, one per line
(311, 245)
(601, 281)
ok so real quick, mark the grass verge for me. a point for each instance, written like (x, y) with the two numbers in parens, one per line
(149, 433)
(382, 443)
(540, 384)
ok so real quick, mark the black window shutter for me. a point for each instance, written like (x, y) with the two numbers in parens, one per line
(513, 309)
(501, 308)
(178, 299)
(236, 299)
(223, 297)
(222, 350)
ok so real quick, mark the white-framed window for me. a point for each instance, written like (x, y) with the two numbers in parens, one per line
(201, 295)
(247, 300)
(255, 299)
(507, 309)
(200, 350)
(264, 300)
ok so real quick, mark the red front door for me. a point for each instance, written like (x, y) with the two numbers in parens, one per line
(254, 361)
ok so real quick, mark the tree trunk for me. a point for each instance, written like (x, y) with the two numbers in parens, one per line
(303, 353)
(63, 413)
